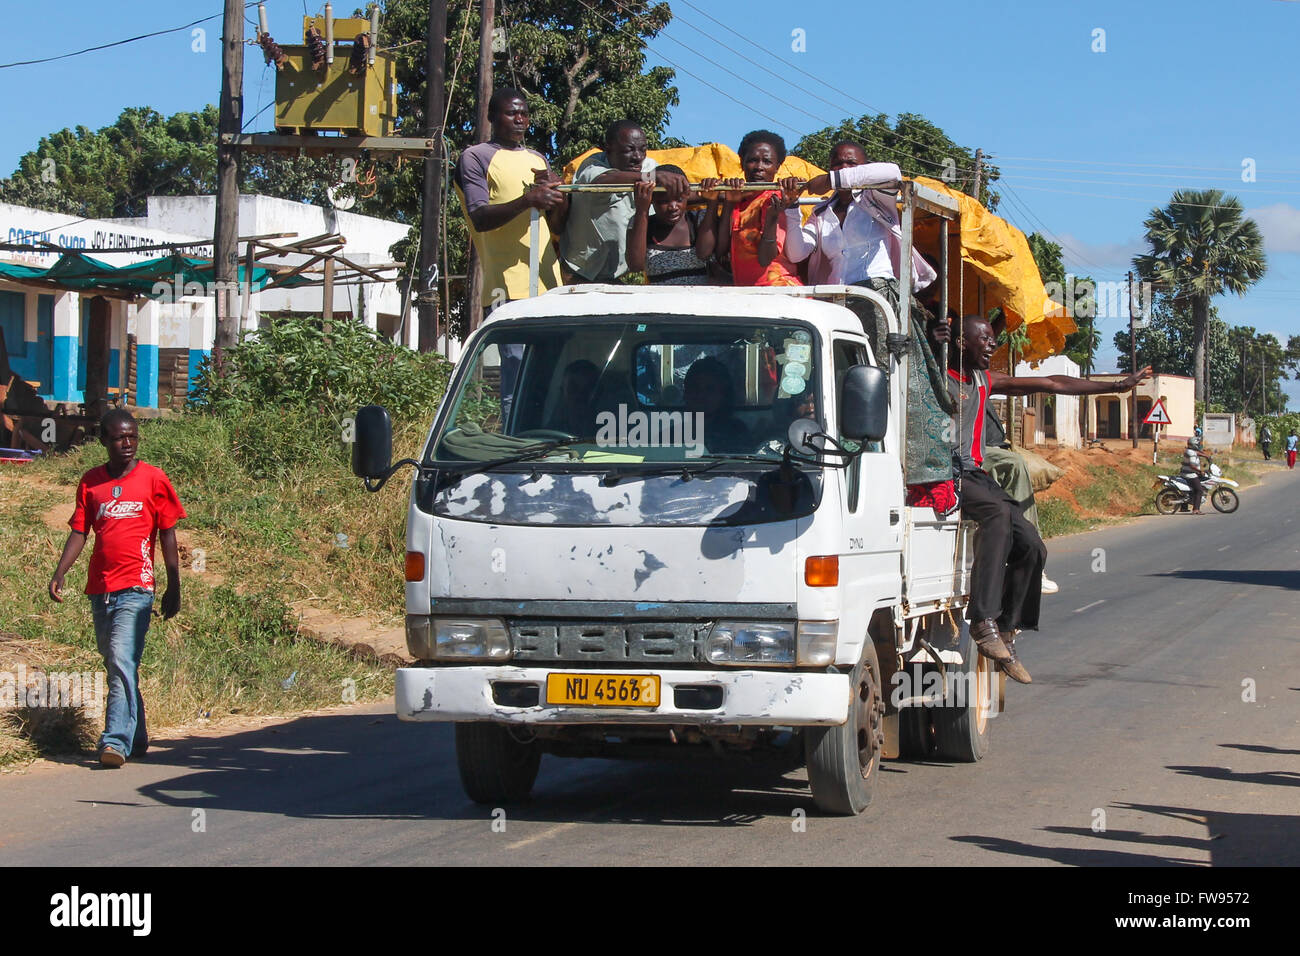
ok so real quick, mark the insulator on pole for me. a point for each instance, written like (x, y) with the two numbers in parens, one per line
(374, 34)
(329, 34)
(262, 28)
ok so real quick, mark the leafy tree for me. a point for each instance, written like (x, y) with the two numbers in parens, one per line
(581, 66)
(1166, 345)
(112, 172)
(918, 146)
(1201, 247)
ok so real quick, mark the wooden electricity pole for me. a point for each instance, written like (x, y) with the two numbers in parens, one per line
(483, 132)
(1132, 361)
(431, 207)
(226, 229)
(979, 173)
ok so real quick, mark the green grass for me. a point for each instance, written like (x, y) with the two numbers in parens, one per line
(268, 494)
(1056, 517)
(226, 653)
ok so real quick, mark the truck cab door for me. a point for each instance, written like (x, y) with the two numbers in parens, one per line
(872, 507)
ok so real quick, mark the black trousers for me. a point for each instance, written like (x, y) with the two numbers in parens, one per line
(1007, 579)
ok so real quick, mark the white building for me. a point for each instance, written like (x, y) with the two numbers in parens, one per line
(1054, 418)
(47, 330)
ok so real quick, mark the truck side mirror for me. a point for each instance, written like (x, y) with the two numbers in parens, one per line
(373, 449)
(864, 404)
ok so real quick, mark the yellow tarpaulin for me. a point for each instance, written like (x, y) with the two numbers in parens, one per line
(995, 254)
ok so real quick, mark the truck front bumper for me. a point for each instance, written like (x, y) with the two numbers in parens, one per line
(748, 697)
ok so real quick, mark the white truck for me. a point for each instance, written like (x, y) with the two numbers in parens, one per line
(658, 519)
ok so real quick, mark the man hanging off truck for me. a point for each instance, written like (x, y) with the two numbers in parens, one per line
(1006, 581)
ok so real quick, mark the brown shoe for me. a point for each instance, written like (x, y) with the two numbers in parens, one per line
(111, 758)
(986, 637)
(1013, 668)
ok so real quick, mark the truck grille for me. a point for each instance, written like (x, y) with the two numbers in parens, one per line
(640, 642)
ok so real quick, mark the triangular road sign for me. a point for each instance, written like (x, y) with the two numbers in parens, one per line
(1159, 415)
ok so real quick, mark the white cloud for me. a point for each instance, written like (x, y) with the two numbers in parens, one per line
(1083, 258)
(1280, 225)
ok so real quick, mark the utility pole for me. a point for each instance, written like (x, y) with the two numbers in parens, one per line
(483, 132)
(225, 231)
(431, 206)
(1132, 361)
(979, 173)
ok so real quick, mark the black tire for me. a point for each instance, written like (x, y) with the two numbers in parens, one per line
(844, 761)
(1225, 500)
(915, 733)
(1168, 500)
(962, 727)
(494, 766)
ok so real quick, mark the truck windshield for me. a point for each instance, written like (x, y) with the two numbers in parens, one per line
(631, 391)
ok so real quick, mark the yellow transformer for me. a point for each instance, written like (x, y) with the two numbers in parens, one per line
(355, 94)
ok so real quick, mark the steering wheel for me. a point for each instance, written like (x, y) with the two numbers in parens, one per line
(550, 434)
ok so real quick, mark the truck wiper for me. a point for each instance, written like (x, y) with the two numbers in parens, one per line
(540, 450)
(686, 469)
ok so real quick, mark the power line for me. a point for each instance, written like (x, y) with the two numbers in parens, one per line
(1150, 202)
(735, 52)
(694, 76)
(1097, 162)
(1106, 182)
(105, 46)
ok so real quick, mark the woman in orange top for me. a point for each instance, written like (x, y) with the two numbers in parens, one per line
(752, 226)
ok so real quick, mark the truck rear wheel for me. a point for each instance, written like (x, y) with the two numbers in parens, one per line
(915, 733)
(844, 761)
(494, 766)
(961, 726)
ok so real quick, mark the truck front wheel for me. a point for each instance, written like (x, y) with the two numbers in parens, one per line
(494, 766)
(844, 761)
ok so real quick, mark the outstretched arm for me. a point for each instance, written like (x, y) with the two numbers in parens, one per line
(1063, 384)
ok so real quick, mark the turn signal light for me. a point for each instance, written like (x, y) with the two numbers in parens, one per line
(415, 565)
(822, 571)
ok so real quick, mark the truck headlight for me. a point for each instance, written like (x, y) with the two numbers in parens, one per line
(750, 642)
(471, 638)
(816, 642)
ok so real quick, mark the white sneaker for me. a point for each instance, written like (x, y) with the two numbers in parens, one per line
(1049, 586)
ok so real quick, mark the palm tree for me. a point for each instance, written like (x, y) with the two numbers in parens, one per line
(1201, 246)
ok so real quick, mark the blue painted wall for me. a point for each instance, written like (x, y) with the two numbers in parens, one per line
(196, 356)
(146, 376)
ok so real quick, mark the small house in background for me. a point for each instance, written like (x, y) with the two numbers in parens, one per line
(1050, 419)
(1107, 416)
(79, 327)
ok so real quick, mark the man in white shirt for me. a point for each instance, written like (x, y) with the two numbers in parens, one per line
(853, 237)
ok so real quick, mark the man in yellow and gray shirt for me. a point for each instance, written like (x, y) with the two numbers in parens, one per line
(499, 182)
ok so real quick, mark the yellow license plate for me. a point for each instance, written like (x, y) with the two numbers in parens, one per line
(603, 690)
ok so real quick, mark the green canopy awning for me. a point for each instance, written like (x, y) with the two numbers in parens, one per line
(154, 279)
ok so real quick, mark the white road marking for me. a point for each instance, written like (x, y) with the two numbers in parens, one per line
(1225, 547)
(1174, 570)
(1086, 606)
(544, 835)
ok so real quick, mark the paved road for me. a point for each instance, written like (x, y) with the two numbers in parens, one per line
(1137, 710)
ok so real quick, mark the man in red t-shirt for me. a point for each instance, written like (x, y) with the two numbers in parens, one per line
(130, 505)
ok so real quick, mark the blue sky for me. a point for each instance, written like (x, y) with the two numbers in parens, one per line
(1088, 141)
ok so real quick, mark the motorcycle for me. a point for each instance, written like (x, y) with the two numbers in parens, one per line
(1174, 493)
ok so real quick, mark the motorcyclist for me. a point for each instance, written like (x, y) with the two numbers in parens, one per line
(1190, 470)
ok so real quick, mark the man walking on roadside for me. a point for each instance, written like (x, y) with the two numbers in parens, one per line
(1292, 441)
(1266, 443)
(129, 504)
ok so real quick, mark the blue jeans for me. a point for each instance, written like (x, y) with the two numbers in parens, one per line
(121, 622)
